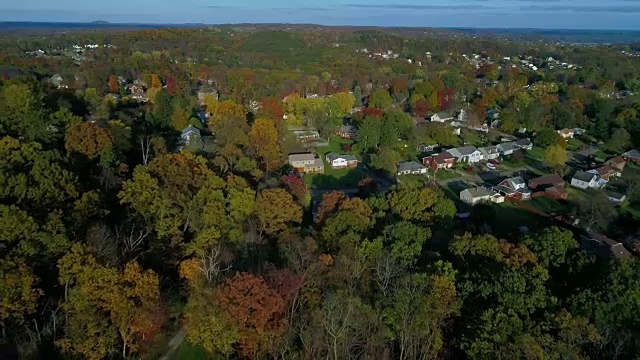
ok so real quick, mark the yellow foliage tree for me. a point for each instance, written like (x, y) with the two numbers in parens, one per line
(263, 137)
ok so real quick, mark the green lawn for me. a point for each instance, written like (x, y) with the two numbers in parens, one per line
(334, 178)
(574, 144)
(509, 219)
(631, 209)
(537, 153)
(187, 351)
(335, 145)
(550, 206)
(447, 174)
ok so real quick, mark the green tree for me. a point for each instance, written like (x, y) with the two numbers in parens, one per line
(556, 157)
(276, 210)
(619, 141)
(405, 241)
(551, 246)
(380, 99)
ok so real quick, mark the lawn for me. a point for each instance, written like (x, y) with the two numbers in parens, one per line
(537, 153)
(187, 351)
(574, 144)
(550, 206)
(447, 174)
(334, 178)
(335, 145)
(510, 217)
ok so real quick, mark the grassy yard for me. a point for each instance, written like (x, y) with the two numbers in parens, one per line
(574, 144)
(187, 351)
(510, 217)
(447, 174)
(335, 145)
(550, 206)
(537, 153)
(334, 178)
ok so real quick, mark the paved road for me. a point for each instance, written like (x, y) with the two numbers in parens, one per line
(173, 345)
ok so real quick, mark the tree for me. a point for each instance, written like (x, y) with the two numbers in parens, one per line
(419, 204)
(19, 294)
(155, 81)
(619, 141)
(369, 133)
(264, 139)
(547, 137)
(180, 118)
(276, 210)
(357, 94)
(551, 246)
(296, 186)
(114, 87)
(380, 99)
(271, 108)
(595, 211)
(405, 240)
(223, 110)
(556, 157)
(341, 104)
(88, 139)
(162, 109)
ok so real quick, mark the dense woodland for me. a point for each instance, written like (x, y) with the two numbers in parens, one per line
(112, 241)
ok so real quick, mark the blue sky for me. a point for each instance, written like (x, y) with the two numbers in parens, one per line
(573, 14)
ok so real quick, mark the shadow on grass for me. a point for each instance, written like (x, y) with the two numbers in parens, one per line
(337, 179)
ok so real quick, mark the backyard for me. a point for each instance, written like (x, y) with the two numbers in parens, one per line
(334, 178)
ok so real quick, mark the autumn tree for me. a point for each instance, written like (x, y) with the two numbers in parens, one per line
(380, 99)
(180, 118)
(155, 81)
(88, 139)
(556, 157)
(113, 84)
(296, 186)
(271, 108)
(255, 309)
(264, 140)
(276, 210)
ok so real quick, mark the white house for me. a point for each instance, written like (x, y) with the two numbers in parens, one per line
(489, 152)
(341, 161)
(189, 134)
(566, 133)
(507, 148)
(585, 180)
(468, 154)
(439, 117)
(411, 167)
(480, 194)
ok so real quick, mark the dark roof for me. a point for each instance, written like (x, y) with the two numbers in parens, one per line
(615, 195)
(616, 248)
(552, 179)
(584, 176)
(507, 146)
(409, 166)
(524, 142)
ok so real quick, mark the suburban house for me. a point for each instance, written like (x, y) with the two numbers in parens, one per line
(439, 117)
(489, 152)
(189, 135)
(306, 163)
(632, 155)
(556, 192)
(579, 131)
(480, 194)
(524, 144)
(606, 172)
(584, 180)
(515, 188)
(306, 136)
(601, 244)
(543, 182)
(616, 198)
(426, 148)
(347, 132)
(617, 162)
(341, 161)
(468, 154)
(444, 160)
(566, 133)
(410, 167)
(507, 148)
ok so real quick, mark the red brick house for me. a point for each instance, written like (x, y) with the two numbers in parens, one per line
(444, 160)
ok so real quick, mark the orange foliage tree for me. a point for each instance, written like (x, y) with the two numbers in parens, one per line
(113, 84)
(89, 139)
(264, 140)
(256, 309)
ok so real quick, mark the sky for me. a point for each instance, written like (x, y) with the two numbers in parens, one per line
(549, 14)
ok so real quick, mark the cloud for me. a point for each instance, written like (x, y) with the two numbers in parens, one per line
(416, 7)
(583, 8)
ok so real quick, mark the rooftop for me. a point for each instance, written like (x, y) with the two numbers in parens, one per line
(552, 179)
(409, 166)
(584, 176)
(301, 157)
(478, 192)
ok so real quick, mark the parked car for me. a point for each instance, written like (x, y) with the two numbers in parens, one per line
(491, 166)
(494, 162)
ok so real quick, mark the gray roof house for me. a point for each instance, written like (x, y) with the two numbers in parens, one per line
(190, 133)
(616, 198)
(507, 148)
(489, 152)
(585, 180)
(479, 194)
(524, 144)
(411, 167)
(466, 154)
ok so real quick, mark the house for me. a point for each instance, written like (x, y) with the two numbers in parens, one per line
(584, 180)
(444, 160)
(468, 154)
(341, 161)
(507, 148)
(617, 162)
(439, 117)
(410, 167)
(579, 131)
(633, 155)
(566, 133)
(515, 188)
(306, 163)
(425, 148)
(56, 80)
(134, 89)
(480, 194)
(599, 243)
(524, 144)
(546, 181)
(606, 172)
(189, 135)
(306, 136)
(347, 132)
(616, 198)
(489, 152)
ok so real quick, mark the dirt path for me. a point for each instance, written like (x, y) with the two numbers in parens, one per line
(173, 345)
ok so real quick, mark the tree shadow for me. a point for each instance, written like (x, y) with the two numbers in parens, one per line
(348, 180)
